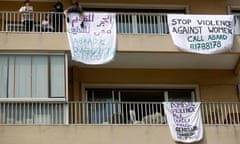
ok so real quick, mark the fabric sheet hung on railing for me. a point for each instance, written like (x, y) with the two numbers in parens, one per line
(203, 34)
(94, 42)
(184, 120)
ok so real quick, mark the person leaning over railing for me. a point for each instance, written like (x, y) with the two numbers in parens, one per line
(27, 16)
(75, 8)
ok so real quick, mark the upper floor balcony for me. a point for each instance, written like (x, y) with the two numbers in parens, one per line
(127, 23)
(147, 28)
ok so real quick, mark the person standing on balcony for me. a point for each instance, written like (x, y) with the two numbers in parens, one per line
(75, 8)
(58, 16)
(27, 16)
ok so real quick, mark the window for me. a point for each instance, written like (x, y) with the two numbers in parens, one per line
(36, 79)
(104, 104)
(32, 76)
(236, 12)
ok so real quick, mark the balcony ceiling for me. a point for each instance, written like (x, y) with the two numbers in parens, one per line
(169, 61)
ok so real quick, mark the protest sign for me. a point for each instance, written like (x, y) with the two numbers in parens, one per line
(203, 34)
(184, 120)
(95, 42)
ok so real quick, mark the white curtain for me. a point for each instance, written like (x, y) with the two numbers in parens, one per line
(11, 76)
(40, 76)
(3, 76)
(57, 76)
(23, 77)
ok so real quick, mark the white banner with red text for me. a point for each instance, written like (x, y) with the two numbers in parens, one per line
(184, 120)
(94, 42)
(203, 34)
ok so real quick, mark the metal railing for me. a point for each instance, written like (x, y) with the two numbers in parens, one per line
(133, 23)
(116, 113)
(102, 113)
(13, 21)
(221, 113)
(32, 112)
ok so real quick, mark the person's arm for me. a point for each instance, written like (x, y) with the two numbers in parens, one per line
(65, 12)
(43, 24)
(22, 9)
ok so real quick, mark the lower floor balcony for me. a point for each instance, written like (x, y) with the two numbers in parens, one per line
(108, 113)
(109, 123)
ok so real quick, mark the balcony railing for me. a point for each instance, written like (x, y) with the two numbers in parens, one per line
(12, 21)
(100, 113)
(127, 23)
(32, 112)
(133, 23)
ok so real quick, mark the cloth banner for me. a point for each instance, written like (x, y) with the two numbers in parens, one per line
(95, 42)
(184, 120)
(203, 34)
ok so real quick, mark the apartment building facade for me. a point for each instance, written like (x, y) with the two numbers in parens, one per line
(47, 97)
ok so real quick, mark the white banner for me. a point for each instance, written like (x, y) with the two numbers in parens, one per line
(203, 34)
(184, 120)
(95, 43)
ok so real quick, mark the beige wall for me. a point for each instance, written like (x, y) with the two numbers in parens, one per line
(214, 85)
(195, 7)
(87, 134)
(33, 42)
(224, 93)
(59, 42)
(38, 5)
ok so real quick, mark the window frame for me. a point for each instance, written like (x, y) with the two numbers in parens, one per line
(141, 86)
(235, 10)
(49, 98)
(116, 88)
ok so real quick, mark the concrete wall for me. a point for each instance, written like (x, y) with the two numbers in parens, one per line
(38, 5)
(59, 42)
(84, 134)
(33, 42)
(195, 7)
(214, 85)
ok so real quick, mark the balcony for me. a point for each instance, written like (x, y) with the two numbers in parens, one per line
(132, 23)
(127, 23)
(107, 113)
(100, 122)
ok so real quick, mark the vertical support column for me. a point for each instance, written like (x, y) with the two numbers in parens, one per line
(76, 85)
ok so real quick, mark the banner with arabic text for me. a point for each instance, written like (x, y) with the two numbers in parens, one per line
(184, 120)
(203, 34)
(95, 41)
